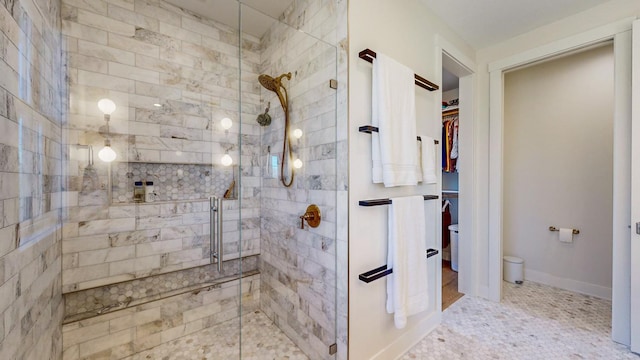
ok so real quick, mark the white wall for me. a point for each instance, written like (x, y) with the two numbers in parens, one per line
(604, 14)
(406, 31)
(558, 165)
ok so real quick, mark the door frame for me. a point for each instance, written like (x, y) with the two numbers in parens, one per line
(619, 32)
(467, 208)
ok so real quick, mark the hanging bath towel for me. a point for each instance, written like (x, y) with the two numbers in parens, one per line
(393, 111)
(406, 255)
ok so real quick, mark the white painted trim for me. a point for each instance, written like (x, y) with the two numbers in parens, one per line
(411, 337)
(497, 68)
(496, 99)
(571, 43)
(635, 188)
(467, 210)
(468, 199)
(621, 274)
(598, 291)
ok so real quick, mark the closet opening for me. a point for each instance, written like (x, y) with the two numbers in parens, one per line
(452, 238)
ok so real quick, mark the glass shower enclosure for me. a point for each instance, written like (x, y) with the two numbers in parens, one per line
(213, 129)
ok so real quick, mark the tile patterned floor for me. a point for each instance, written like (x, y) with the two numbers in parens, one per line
(261, 340)
(533, 322)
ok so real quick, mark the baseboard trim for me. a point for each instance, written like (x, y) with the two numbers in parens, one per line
(400, 346)
(568, 284)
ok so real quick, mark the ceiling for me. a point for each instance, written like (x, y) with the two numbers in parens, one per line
(482, 23)
(254, 22)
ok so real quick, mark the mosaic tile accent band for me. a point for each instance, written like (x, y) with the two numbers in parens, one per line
(91, 302)
(171, 181)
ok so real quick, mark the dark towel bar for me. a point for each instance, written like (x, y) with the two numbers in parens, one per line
(369, 55)
(382, 271)
(376, 202)
(369, 129)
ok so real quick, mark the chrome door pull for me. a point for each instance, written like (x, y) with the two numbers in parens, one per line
(215, 231)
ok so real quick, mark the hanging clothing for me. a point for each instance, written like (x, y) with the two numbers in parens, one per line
(449, 132)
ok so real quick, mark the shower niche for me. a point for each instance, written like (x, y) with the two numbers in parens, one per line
(171, 182)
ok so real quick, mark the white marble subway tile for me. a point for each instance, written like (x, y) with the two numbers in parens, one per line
(181, 157)
(154, 90)
(128, 43)
(88, 63)
(182, 33)
(105, 226)
(142, 128)
(105, 81)
(86, 273)
(127, 15)
(156, 222)
(101, 344)
(87, 258)
(152, 9)
(98, 7)
(133, 73)
(90, 284)
(185, 256)
(158, 247)
(84, 32)
(105, 52)
(196, 26)
(105, 23)
(131, 266)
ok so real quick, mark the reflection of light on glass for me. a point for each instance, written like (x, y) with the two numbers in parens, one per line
(297, 133)
(157, 105)
(274, 166)
(297, 163)
(226, 123)
(226, 160)
(107, 106)
(107, 154)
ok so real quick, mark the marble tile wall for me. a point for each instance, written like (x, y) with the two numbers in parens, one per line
(173, 76)
(118, 334)
(298, 266)
(32, 103)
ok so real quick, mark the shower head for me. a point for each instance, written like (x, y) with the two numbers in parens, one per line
(268, 82)
(275, 85)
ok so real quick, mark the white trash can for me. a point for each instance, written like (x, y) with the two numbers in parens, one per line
(453, 233)
(513, 269)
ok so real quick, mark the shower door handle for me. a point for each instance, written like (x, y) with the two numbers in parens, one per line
(215, 230)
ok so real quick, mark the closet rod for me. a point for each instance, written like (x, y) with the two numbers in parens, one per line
(382, 271)
(369, 129)
(376, 202)
(368, 55)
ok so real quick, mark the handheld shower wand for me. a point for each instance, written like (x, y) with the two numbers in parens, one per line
(275, 85)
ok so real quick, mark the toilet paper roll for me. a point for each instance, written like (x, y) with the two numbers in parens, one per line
(566, 235)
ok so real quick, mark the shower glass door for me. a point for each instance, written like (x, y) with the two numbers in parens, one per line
(193, 206)
(286, 69)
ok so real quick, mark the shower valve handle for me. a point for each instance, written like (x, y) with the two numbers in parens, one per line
(312, 215)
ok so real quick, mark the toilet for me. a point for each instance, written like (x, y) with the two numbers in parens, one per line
(453, 232)
(512, 269)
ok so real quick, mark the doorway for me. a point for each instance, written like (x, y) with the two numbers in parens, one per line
(621, 35)
(457, 175)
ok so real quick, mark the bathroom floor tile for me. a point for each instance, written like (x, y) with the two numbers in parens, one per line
(261, 340)
(533, 321)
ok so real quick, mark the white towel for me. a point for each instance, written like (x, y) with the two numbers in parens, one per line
(428, 160)
(406, 255)
(394, 113)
